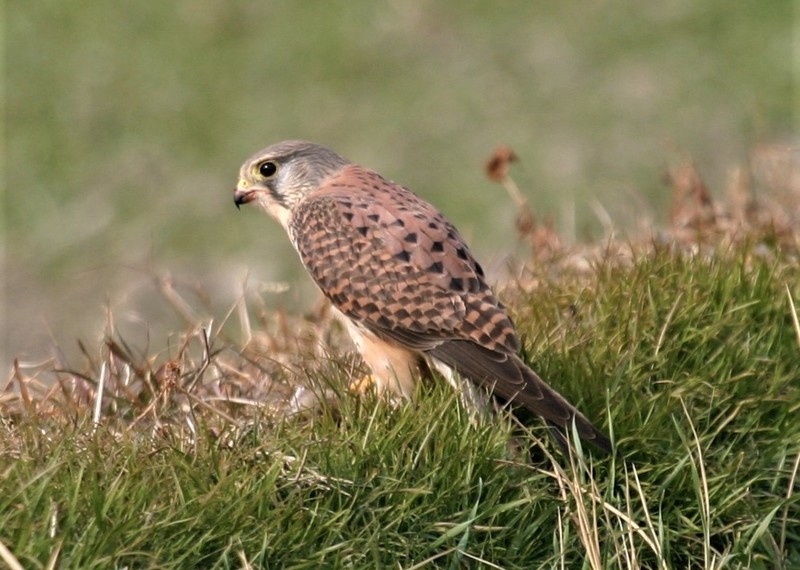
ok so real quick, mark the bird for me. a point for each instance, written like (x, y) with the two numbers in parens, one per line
(406, 284)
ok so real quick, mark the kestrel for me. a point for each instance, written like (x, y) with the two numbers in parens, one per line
(400, 274)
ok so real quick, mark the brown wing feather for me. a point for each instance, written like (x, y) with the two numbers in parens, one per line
(391, 261)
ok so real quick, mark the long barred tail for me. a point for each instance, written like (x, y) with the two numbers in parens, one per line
(509, 378)
(559, 413)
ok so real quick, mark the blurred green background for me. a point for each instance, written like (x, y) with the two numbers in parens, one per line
(126, 123)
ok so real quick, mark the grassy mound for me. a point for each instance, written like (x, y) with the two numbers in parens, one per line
(684, 346)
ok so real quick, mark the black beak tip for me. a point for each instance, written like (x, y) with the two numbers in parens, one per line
(243, 196)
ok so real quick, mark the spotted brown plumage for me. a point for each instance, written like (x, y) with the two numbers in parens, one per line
(400, 274)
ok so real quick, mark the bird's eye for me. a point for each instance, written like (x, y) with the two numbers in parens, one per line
(267, 169)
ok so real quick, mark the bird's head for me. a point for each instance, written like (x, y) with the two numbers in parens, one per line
(278, 177)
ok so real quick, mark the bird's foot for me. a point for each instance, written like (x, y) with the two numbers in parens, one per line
(364, 385)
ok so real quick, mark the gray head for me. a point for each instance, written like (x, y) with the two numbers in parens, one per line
(279, 176)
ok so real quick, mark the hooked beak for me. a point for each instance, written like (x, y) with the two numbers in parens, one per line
(243, 196)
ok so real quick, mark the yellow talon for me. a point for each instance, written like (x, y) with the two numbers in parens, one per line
(363, 385)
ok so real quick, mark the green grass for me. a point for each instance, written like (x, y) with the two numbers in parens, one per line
(690, 360)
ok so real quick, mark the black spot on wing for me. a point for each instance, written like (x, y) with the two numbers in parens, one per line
(435, 267)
